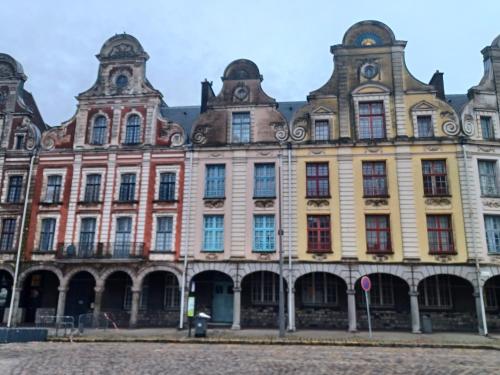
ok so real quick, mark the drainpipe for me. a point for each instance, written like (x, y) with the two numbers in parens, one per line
(20, 241)
(281, 304)
(291, 302)
(185, 238)
(484, 331)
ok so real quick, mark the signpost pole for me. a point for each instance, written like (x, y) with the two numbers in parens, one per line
(368, 313)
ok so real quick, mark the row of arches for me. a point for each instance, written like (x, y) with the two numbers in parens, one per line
(320, 299)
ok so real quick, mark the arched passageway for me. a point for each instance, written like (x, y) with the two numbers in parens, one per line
(80, 295)
(5, 294)
(39, 296)
(117, 298)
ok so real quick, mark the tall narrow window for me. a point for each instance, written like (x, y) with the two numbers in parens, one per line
(8, 233)
(264, 288)
(53, 193)
(381, 293)
(435, 177)
(488, 177)
(47, 232)
(435, 292)
(167, 186)
(425, 127)
(164, 233)
(317, 180)
(123, 237)
(318, 233)
(87, 236)
(264, 181)
(19, 142)
(440, 234)
(378, 234)
(321, 130)
(487, 127)
(213, 234)
(241, 127)
(92, 188)
(133, 130)
(319, 289)
(264, 237)
(99, 131)
(492, 227)
(172, 294)
(374, 179)
(371, 120)
(214, 184)
(14, 189)
(127, 187)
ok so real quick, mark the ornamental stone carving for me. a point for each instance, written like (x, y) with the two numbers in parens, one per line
(492, 203)
(280, 131)
(6, 70)
(214, 203)
(299, 129)
(264, 203)
(173, 133)
(376, 202)
(200, 134)
(52, 137)
(438, 201)
(468, 125)
(318, 202)
(451, 128)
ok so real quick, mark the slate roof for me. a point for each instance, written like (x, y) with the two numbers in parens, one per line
(457, 101)
(37, 117)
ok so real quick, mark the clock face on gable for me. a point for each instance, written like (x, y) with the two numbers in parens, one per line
(241, 93)
(369, 70)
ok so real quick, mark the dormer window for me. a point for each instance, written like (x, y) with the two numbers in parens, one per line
(487, 128)
(99, 131)
(241, 127)
(133, 130)
(19, 145)
(425, 126)
(321, 130)
(371, 120)
(121, 81)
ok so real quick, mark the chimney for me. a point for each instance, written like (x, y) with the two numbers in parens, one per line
(438, 83)
(206, 94)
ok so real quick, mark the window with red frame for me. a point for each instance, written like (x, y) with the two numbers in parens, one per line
(374, 179)
(318, 233)
(317, 180)
(440, 234)
(378, 234)
(371, 120)
(435, 177)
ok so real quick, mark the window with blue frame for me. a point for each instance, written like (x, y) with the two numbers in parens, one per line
(14, 189)
(47, 234)
(215, 181)
(213, 233)
(127, 187)
(492, 227)
(133, 130)
(241, 127)
(99, 131)
(264, 181)
(122, 237)
(87, 235)
(264, 233)
(167, 187)
(164, 233)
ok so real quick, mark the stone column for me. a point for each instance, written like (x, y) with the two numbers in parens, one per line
(15, 309)
(479, 313)
(134, 311)
(415, 312)
(236, 308)
(99, 290)
(61, 302)
(351, 310)
(291, 310)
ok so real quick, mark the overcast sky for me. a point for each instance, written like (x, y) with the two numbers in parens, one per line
(187, 41)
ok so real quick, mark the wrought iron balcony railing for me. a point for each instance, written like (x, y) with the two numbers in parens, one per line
(101, 250)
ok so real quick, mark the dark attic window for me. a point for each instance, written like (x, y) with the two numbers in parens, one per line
(121, 81)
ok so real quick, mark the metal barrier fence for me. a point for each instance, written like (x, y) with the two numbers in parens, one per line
(61, 323)
(100, 321)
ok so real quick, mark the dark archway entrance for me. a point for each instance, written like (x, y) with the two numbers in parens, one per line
(81, 294)
(449, 302)
(117, 298)
(5, 293)
(321, 301)
(160, 300)
(389, 303)
(259, 300)
(39, 295)
(492, 303)
(213, 291)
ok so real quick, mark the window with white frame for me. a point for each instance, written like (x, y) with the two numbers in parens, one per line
(92, 188)
(241, 127)
(492, 229)
(213, 233)
(487, 127)
(264, 288)
(127, 187)
(53, 191)
(425, 126)
(319, 289)
(321, 130)
(264, 234)
(123, 236)
(264, 184)
(215, 180)
(99, 130)
(133, 130)
(167, 186)
(435, 292)
(8, 234)
(371, 120)
(14, 189)
(164, 229)
(47, 233)
(87, 236)
(488, 177)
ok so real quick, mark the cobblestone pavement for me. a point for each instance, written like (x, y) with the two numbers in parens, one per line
(203, 359)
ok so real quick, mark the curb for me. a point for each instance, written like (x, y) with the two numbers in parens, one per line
(391, 344)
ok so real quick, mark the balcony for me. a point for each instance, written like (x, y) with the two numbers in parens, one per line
(101, 250)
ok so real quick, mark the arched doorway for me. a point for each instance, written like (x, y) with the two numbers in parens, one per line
(259, 299)
(117, 298)
(321, 301)
(213, 291)
(5, 293)
(160, 300)
(448, 301)
(389, 303)
(39, 295)
(492, 303)
(80, 295)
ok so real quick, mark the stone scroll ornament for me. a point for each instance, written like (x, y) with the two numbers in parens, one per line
(468, 126)
(451, 128)
(51, 137)
(173, 132)
(299, 129)
(32, 134)
(280, 131)
(200, 134)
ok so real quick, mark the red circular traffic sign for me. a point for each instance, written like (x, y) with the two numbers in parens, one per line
(366, 284)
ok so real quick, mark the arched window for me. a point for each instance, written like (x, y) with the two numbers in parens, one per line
(99, 131)
(133, 131)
